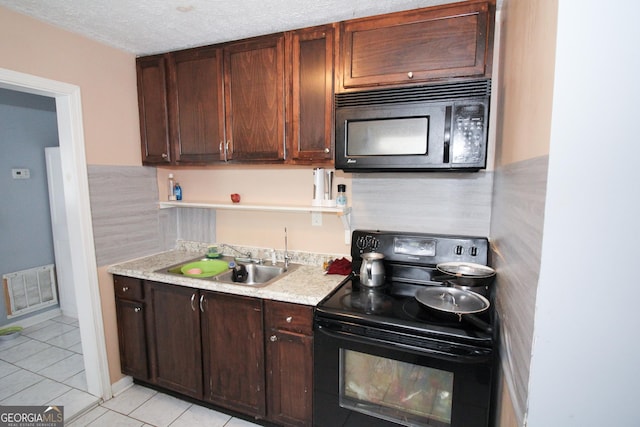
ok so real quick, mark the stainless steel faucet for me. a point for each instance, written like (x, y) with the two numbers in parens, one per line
(287, 258)
(244, 254)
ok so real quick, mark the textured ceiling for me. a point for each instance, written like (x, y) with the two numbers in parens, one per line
(152, 26)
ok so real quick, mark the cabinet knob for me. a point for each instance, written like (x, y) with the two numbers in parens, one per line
(289, 319)
(165, 155)
(137, 309)
(326, 150)
(125, 288)
(273, 338)
(410, 74)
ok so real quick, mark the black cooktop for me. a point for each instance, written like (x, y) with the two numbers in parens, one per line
(393, 306)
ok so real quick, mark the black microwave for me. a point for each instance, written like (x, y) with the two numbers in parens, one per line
(424, 128)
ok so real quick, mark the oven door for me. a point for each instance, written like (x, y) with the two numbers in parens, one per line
(362, 378)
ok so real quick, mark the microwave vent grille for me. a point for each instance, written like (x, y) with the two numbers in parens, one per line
(427, 93)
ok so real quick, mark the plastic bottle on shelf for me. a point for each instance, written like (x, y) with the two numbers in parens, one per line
(177, 191)
(172, 188)
(341, 199)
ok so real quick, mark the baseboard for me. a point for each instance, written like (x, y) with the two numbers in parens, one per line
(121, 385)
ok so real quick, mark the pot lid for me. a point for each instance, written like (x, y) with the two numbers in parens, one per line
(452, 300)
(466, 269)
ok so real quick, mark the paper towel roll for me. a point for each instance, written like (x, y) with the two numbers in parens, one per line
(318, 186)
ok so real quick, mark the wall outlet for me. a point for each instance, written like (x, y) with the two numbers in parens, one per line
(20, 173)
(316, 219)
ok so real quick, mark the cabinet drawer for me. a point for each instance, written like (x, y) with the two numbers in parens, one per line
(128, 288)
(289, 317)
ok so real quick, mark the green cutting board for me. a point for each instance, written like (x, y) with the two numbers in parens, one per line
(209, 268)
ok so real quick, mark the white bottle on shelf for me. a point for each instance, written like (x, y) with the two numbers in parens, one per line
(172, 188)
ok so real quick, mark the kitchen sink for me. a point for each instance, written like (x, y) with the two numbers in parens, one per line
(258, 275)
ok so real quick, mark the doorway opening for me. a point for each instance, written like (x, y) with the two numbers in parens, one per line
(78, 212)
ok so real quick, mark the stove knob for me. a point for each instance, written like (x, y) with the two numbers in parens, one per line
(459, 250)
(473, 251)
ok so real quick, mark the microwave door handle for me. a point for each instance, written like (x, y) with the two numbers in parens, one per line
(447, 135)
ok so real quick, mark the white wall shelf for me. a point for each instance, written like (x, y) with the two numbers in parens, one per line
(343, 213)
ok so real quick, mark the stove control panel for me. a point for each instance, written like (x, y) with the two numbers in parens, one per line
(420, 248)
(414, 246)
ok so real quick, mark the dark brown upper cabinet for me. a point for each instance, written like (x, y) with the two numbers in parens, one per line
(417, 46)
(310, 72)
(269, 99)
(196, 105)
(254, 99)
(152, 106)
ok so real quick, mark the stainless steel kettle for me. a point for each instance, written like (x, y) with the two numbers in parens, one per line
(372, 272)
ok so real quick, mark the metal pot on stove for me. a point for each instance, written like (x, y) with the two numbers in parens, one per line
(467, 276)
(372, 273)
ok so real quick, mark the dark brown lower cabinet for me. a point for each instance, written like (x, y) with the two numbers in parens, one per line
(176, 352)
(132, 329)
(289, 362)
(211, 346)
(233, 352)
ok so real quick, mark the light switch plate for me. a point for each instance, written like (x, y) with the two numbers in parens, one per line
(20, 173)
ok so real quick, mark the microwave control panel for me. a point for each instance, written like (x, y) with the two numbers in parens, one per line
(469, 133)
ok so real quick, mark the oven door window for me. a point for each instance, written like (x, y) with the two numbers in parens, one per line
(401, 392)
(388, 137)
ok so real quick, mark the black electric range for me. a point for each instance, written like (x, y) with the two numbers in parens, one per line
(368, 339)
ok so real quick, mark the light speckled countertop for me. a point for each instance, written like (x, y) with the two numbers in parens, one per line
(306, 284)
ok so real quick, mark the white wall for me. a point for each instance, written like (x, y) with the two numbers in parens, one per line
(584, 369)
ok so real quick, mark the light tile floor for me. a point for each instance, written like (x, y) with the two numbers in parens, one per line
(44, 366)
(141, 406)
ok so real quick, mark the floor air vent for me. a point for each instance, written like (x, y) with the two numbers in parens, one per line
(29, 290)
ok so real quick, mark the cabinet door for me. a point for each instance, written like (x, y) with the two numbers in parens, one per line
(152, 107)
(175, 320)
(416, 46)
(132, 337)
(196, 105)
(311, 87)
(289, 363)
(233, 352)
(254, 99)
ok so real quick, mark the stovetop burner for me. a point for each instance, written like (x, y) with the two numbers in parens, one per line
(410, 261)
(396, 307)
(368, 301)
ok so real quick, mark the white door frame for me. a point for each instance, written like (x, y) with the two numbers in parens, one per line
(78, 212)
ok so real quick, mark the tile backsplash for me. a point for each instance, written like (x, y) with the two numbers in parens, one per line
(128, 223)
(447, 203)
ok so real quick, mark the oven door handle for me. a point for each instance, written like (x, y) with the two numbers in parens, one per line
(478, 356)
